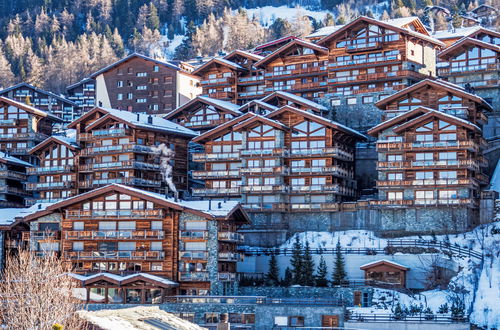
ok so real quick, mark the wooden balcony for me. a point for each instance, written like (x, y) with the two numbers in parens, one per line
(266, 207)
(50, 169)
(114, 235)
(426, 202)
(250, 94)
(205, 123)
(446, 145)
(376, 77)
(367, 61)
(13, 191)
(218, 81)
(8, 122)
(230, 256)
(126, 164)
(449, 71)
(88, 184)
(22, 136)
(352, 48)
(482, 178)
(426, 183)
(104, 133)
(337, 189)
(452, 164)
(330, 151)
(120, 148)
(193, 255)
(251, 80)
(331, 170)
(114, 255)
(114, 214)
(264, 189)
(262, 152)
(227, 236)
(223, 156)
(297, 72)
(32, 186)
(392, 89)
(320, 207)
(12, 175)
(194, 234)
(311, 86)
(215, 174)
(193, 276)
(222, 95)
(235, 191)
(279, 170)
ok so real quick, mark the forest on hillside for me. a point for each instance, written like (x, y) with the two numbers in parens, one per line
(54, 43)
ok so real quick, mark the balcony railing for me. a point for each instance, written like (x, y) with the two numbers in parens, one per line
(221, 95)
(115, 235)
(193, 255)
(128, 255)
(469, 68)
(226, 276)
(218, 81)
(215, 174)
(264, 189)
(228, 236)
(13, 191)
(262, 170)
(117, 148)
(387, 146)
(230, 256)
(262, 152)
(335, 170)
(472, 164)
(266, 207)
(194, 234)
(216, 191)
(450, 201)
(50, 169)
(298, 207)
(23, 136)
(12, 175)
(105, 214)
(251, 94)
(377, 59)
(49, 185)
(104, 133)
(427, 182)
(335, 152)
(203, 157)
(8, 122)
(203, 123)
(251, 79)
(341, 190)
(123, 164)
(193, 276)
(126, 181)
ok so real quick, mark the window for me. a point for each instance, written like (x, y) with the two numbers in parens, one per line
(119, 83)
(394, 158)
(156, 68)
(394, 176)
(447, 156)
(424, 175)
(77, 246)
(395, 195)
(211, 318)
(126, 246)
(335, 102)
(130, 96)
(78, 225)
(298, 181)
(141, 100)
(156, 225)
(447, 194)
(195, 225)
(142, 74)
(119, 97)
(448, 174)
(424, 156)
(424, 194)
(196, 246)
(296, 321)
(448, 137)
(351, 100)
(156, 246)
(424, 137)
(367, 99)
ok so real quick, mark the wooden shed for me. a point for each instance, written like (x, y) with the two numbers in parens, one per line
(385, 273)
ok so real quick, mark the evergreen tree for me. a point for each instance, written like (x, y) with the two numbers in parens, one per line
(307, 267)
(322, 273)
(153, 21)
(6, 76)
(288, 280)
(273, 274)
(297, 262)
(339, 274)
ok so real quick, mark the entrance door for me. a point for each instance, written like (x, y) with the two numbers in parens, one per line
(330, 321)
(357, 298)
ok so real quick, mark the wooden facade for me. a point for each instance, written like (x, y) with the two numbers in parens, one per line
(122, 230)
(430, 150)
(22, 127)
(13, 177)
(61, 107)
(385, 273)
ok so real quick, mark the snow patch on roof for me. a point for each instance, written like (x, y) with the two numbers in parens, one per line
(222, 103)
(455, 33)
(299, 99)
(384, 260)
(9, 215)
(120, 278)
(13, 160)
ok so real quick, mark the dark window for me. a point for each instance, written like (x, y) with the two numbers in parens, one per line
(48, 226)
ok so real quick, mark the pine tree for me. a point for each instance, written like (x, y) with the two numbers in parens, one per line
(6, 76)
(307, 267)
(153, 21)
(273, 274)
(322, 273)
(339, 274)
(297, 261)
(288, 279)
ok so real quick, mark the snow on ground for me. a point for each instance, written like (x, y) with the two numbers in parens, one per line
(268, 14)
(486, 308)
(172, 45)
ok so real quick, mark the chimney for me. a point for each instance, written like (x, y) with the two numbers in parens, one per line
(219, 205)
(39, 206)
(150, 119)
(138, 117)
(209, 204)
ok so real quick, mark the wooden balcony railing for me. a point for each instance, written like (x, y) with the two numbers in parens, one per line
(443, 71)
(221, 95)
(50, 169)
(126, 181)
(203, 157)
(115, 235)
(130, 147)
(218, 81)
(114, 255)
(329, 151)
(263, 170)
(264, 189)
(298, 207)
(23, 136)
(216, 191)
(104, 133)
(399, 146)
(266, 207)
(106, 214)
(379, 59)
(12, 175)
(428, 182)
(335, 170)
(299, 71)
(215, 174)
(126, 164)
(205, 123)
(263, 152)
(230, 256)
(471, 164)
(49, 185)
(13, 191)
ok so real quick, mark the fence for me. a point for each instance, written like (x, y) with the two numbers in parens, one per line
(252, 300)
(456, 250)
(358, 317)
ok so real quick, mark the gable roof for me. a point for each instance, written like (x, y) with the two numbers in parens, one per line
(130, 57)
(8, 159)
(30, 109)
(221, 128)
(219, 104)
(295, 98)
(83, 81)
(397, 119)
(483, 6)
(243, 53)
(274, 42)
(39, 90)
(433, 113)
(465, 42)
(440, 84)
(69, 142)
(220, 61)
(296, 42)
(384, 262)
(318, 119)
(118, 279)
(259, 103)
(395, 25)
(200, 208)
(87, 115)
(258, 118)
(455, 33)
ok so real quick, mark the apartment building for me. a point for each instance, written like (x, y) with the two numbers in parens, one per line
(138, 83)
(83, 94)
(13, 177)
(58, 105)
(22, 127)
(126, 245)
(430, 146)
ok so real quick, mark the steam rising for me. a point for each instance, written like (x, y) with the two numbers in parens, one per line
(166, 154)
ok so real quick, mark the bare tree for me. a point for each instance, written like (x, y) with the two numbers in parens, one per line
(36, 293)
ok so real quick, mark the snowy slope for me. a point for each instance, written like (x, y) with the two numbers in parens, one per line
(268, 14)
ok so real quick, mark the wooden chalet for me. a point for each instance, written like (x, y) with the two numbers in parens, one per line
(385, 273)
(430, 150)
(203, 113)
(57, 170)
(138, 83)
(121, 238)
(13, 177)
(47, 101)
(369, 56)
(270, 46)
(22, 127)
(83, 94)
(281, 98)
(119, 147)
(486, 14)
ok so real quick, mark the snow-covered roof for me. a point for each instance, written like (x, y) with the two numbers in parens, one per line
(244, 52)
(70, 140)
(141, 120)
(29, 108)
(120, 278)
(455, 33)
(9, 215)
(230, 63)
(324, 31)
(221, 103)
(13, 160)
(296, 98)
(38, 90)
(83, 81)
(383, 261)
(433, 111)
